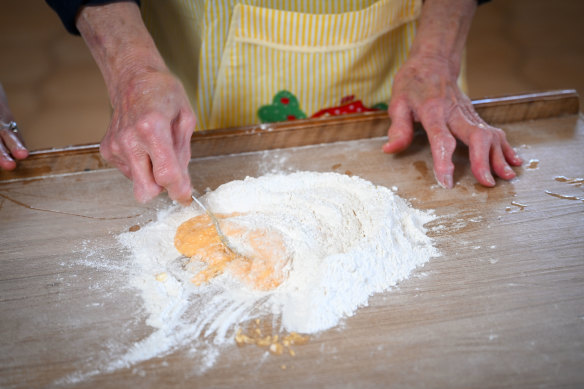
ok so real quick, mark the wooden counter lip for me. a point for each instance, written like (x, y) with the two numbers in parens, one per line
(494, 110)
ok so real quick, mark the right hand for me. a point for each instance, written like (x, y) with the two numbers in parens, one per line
(148, 139)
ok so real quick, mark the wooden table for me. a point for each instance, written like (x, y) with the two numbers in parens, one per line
(502, 307)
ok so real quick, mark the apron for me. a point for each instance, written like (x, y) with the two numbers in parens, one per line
(259, 61)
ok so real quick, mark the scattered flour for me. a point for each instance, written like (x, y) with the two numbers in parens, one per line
(346, 239)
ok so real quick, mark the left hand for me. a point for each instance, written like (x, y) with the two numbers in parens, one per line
(425, 90)
(11, 144)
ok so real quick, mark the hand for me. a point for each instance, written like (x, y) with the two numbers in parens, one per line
(425, 89)
(11, 144)
(148, 139)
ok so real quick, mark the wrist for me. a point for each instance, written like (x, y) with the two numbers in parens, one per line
(120, 44)
(428, 65)
(440, 62)
(131, 71)
(442, 31)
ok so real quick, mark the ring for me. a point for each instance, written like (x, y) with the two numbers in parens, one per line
(13, 127)
(10, 126)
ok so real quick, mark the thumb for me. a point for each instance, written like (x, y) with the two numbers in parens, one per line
(401, 130)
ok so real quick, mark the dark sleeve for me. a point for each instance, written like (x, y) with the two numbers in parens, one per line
(67, 10)
(483, 1)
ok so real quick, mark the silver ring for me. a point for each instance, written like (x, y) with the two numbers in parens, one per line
(10, 126)
(13, 127)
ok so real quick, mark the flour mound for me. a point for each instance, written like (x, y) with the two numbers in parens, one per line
(347, 239)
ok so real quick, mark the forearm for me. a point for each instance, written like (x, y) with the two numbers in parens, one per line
(442, 31)
(119, 42)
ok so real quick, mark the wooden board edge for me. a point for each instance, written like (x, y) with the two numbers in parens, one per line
(496, 110)
(530, 106)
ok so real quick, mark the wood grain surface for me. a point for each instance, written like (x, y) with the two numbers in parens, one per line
(503, 306)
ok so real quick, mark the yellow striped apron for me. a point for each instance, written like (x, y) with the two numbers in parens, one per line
(251, 61)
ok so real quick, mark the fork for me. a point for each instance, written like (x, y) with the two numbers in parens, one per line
(220, 233)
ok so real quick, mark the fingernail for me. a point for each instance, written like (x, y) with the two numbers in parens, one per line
(448, 181)
(489, 178)
(516, 158)
(445, 181)
(508, 171)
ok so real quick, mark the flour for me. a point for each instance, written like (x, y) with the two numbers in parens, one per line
(345, 239)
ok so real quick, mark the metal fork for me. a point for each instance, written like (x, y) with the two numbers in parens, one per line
(222, 236)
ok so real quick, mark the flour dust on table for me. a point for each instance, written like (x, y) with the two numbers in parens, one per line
(316, 247)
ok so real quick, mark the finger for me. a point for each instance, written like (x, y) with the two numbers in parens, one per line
(185, 126)
(169, 174)
(14, 144)
(145, 187)
(442, 144)
(6, 161)
(108, 149)
(112, 157)
(484, 144)
(499, 163)
(480, 152)
(167, 170)
(182, 141)
(401, 130)
(510, 154)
